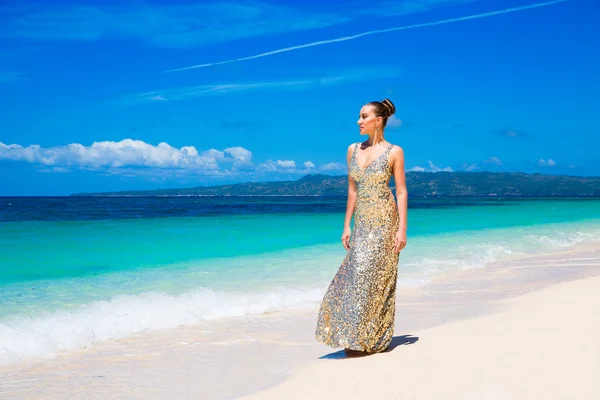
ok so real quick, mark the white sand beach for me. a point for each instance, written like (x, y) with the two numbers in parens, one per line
(542, 345)
(519, 329)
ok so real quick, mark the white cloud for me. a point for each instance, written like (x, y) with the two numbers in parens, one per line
(435, 168)
(549, 163)
(431, 167)
(394, 122)
(156, 97)
(332, 167)
(135, 157)
(494, 160)
(126, 153)
(239, 154)
(328, 78)
(471, 167)
(278, 165)
(286, 164)
(54, 169)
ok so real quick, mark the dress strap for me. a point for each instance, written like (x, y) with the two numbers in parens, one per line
(355, 148)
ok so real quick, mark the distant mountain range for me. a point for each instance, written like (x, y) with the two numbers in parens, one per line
(419, 184)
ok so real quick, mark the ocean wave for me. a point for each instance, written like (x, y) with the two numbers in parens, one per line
(562, 240)
(463, 252)
(49, 332)
(124, 315)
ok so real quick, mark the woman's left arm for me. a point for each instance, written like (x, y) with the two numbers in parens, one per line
(401, 196)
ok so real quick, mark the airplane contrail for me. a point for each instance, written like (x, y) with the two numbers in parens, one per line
(359, 35)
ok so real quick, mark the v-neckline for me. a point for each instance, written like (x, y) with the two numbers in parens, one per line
(374, 160)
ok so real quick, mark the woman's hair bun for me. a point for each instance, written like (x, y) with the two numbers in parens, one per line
(389, 107)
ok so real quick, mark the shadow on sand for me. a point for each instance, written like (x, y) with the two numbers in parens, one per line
(396, 341)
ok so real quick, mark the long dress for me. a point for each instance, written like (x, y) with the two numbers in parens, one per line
(358, 309)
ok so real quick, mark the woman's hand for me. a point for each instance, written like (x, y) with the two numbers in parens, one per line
(400, 241)
(346, 238)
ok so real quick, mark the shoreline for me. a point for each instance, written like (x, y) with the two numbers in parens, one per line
(261, 352)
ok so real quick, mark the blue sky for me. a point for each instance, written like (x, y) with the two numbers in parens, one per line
(99, 96)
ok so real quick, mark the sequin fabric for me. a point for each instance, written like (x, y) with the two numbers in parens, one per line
(358, 309)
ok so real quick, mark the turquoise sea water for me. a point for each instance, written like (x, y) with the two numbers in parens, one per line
(77, 271)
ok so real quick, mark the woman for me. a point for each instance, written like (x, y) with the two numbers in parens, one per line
(358, 310)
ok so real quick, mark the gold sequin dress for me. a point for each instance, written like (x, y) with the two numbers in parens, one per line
(358, 309)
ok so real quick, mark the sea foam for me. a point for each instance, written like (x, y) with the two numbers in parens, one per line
(123, 315)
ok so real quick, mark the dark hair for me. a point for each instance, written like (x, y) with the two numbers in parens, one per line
(383, 109)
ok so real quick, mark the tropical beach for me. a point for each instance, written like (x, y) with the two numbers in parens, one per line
(223, 328)
(228, 199)
(492, 333)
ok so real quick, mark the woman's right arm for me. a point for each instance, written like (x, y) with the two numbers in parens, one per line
(350, 204)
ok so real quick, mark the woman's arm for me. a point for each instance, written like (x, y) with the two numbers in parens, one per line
(351, 203)
(401, 196)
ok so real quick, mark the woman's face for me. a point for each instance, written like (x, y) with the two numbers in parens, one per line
(367, 120)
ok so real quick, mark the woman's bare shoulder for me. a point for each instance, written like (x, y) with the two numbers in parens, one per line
(396, 151)
(351, 147)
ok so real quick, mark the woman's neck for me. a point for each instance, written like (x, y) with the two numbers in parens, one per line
(371, 140)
